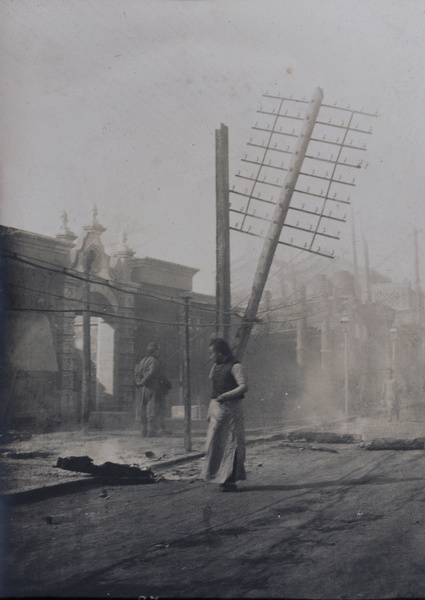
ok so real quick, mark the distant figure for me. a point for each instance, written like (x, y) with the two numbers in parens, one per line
(152, 387)
(390, 396)
(225, 442)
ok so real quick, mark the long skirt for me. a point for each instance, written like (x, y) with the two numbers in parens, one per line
(225, 443)
(146, 409)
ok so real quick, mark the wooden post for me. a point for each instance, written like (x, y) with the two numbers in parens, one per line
(357, 289)
(367, 269)
(325, 349)
(222, 232)
(418, 318)
(186, 377)
(277, 223)
(302, 329)
(86, 374)
(417, 283)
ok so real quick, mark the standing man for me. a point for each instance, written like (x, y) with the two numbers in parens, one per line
(150, 399)
(390, 396)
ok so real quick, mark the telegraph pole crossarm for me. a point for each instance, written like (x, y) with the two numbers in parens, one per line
(277, 222)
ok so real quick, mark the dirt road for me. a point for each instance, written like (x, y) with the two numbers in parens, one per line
(329, 521)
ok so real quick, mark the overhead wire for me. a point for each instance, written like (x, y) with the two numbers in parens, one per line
(51, 267)
(126, 288)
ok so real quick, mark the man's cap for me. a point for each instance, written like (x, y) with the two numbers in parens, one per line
(153, 346)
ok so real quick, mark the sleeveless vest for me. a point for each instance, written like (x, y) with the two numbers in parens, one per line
(223, 380)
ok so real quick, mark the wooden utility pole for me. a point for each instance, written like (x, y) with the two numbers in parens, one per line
(86, 374)
(367, 269)
(325, 348)
(278, 221)
(186, 377)
(357, 289)
(418, 318)
(222, 229)
(417, 282)
(302, 328)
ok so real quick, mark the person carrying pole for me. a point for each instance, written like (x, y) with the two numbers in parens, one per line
(225, 442)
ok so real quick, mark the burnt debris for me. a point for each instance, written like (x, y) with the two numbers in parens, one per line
(322, 437)
(108, 472)
(395, 444)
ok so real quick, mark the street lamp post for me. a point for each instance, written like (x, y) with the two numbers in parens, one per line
(345, 324)
(393, 337)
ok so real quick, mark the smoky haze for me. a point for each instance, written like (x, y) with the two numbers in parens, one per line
(303, 367)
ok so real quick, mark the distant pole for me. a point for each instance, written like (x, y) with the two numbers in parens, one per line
(345, 324)
(302, 329)
(222, 232)
(417, 282)
(393, 337)
(277, 223)
(418, 319)
(325, 349)
(346, 372)
(357, 290)
(186, 378)
(367, 268)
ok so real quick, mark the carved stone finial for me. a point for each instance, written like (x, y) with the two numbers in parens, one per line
(123, 247)
(95, 227)
(95, 213)
(64, 218)
(65, 234)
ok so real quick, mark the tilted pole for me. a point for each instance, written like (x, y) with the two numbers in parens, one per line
(277, 223)
(222, 232)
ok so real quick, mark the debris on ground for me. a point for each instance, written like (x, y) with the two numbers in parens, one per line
(27, 455)
(108, 471)
(323, 449)
(307, 447)
(10, 437)
(322, 437)
(395, 444)
(82, 464)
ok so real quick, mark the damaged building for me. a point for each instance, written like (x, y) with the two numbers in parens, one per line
(295, 360)
(48, 284)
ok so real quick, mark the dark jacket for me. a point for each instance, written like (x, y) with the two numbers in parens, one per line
(223, 380)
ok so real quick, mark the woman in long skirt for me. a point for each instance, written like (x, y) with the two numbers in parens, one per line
(225, 443)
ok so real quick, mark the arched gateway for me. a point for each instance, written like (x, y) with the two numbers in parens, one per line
(57, 293)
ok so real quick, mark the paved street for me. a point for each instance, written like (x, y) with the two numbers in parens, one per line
(311, 521)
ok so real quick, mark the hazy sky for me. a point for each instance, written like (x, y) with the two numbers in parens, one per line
(115, 103)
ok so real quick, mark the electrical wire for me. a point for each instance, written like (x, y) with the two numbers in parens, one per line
(128, 288)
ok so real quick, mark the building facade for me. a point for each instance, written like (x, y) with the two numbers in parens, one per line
(49, 284)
